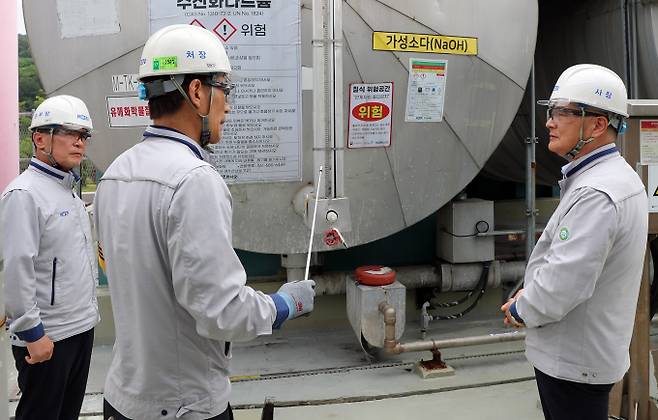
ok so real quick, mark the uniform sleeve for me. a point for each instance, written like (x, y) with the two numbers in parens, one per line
(208, 278)
(20, 227)
(579, 247)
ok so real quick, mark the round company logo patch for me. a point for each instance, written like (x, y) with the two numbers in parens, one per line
(564, 234)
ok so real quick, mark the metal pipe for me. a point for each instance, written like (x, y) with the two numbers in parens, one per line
(393, 346)
(294, 265)
(328, 94)
(505, 232)
(412, 277)
(447, 277)
(634, 80)
(321, 92)
(629, 28)
(338, 100)
(531, 168)
(390, 343)
(429, 345)
(624, 31)
(328, 100)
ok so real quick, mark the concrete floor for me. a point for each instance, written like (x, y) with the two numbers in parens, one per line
(322, 374)
(495, 402)
(325, 375)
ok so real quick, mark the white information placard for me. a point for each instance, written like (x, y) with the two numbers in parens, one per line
(87, 17)
(426, 90)
(648, 142)
(652, 188)
(370, 118)
(261, 140)
(127, 111)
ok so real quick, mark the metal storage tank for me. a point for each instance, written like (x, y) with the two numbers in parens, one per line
(620, 35)
(647, 49)
(389, 188)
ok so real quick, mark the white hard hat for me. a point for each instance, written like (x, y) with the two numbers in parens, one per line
(183, 49)
(63, 110)
(591, 85)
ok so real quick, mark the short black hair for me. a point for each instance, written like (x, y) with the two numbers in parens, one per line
(170, 102)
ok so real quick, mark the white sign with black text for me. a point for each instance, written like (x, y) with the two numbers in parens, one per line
(261, 140)
(652, 189)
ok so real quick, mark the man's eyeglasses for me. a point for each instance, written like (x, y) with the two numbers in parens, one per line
(227, 87)
(559, 112)
(85, 136)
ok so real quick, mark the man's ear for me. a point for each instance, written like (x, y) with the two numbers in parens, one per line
(195, 92)
(600, 126)
(40, 140)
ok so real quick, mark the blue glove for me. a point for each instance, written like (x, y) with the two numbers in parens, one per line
(292, 300)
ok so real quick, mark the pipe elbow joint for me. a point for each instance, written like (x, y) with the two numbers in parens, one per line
(388, 311)
(391, 345)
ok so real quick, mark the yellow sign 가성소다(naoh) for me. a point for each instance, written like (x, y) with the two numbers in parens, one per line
(424, 43)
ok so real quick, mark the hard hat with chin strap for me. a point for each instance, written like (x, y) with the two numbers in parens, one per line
(64, 110)
(592, 88)
(177, 50)
(61, 111)
(183, 49)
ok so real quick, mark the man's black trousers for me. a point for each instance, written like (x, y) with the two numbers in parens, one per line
(567, 400)
(54, 389)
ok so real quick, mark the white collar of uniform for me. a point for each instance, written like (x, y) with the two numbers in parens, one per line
(175, 135)
(573, 164)
(65, 178)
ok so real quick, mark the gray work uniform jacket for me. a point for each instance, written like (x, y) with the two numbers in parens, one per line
(583, 277)
(48, 259)
(178, 289)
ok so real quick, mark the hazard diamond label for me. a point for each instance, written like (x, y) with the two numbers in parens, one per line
(197, 23)
(225, 30)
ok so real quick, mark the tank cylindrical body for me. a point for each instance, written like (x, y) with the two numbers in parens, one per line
(388, 188)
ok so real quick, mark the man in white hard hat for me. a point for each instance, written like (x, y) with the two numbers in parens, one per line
(164, 222)
(583, 277)
(49, 266)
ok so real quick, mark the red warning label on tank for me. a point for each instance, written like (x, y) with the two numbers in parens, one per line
(371, 111)
(370, 118)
